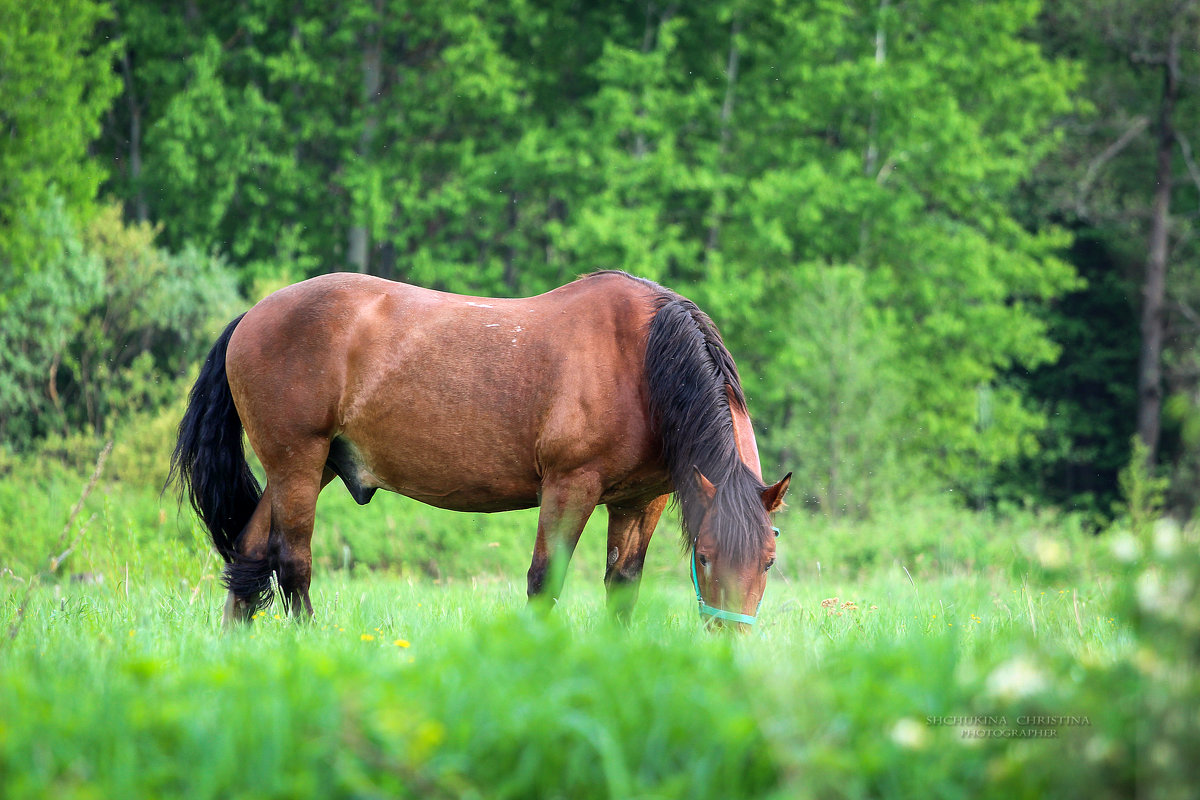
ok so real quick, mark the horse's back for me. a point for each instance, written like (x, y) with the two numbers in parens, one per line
(464, 402)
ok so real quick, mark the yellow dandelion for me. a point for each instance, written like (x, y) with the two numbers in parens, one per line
(132, 632)
(401, 643)
(367, 637)
(277, 616)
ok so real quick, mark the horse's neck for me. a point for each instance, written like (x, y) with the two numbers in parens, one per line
(743, 435)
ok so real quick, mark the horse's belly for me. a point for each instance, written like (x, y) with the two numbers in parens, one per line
(468, 500)
(452, 483)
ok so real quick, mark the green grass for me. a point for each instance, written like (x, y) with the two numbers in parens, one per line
(402, 688)
(420, 680)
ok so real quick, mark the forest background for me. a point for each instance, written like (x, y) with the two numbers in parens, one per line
(951, 244)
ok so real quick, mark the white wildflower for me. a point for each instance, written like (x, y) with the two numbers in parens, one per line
(1150, 593)
(1125, 547)
(1166, 537)
(910, 734)
(1050, 553)
(1016, 678)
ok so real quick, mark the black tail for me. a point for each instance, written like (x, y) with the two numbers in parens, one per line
(209, 463)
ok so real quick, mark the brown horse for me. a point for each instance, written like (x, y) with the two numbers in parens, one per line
(610, 390)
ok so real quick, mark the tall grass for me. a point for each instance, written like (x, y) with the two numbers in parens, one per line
(411, 689)
(930, 652)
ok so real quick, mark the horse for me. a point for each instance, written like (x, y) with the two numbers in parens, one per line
(610, 390)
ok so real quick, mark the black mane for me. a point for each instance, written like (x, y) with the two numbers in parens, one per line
(687, 370)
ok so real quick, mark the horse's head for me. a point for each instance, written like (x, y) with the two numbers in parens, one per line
(734, 549)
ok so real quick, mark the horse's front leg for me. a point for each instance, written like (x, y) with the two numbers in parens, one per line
(629, 532)
(566, 503)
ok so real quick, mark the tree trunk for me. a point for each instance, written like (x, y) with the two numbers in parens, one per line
(141, 209)
(871, 156)
(1155, 280)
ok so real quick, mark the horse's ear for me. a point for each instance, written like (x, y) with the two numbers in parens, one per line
(772, 496)
(704, 485)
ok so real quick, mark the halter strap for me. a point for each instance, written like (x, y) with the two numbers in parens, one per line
(719, 613)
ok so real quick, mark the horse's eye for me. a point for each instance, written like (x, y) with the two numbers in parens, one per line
(770, 564)
(703, 559)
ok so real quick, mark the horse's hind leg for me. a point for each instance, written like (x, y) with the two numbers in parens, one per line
(276, 540)
(244, 585)
(293, 511)
(629, 532)
(295, 468)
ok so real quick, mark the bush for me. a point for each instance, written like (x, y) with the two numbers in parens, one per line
(106, 329)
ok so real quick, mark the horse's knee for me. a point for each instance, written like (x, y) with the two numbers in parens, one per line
(622, 575)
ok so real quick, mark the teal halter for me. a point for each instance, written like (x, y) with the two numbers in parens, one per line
(719, 613)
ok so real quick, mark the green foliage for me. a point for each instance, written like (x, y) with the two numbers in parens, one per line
(1102, 182)
(892, 146)
(1181, 427)
(55, 86)
(1087, 396)
(286, 130)
(1142, 491)
(106, 329)
(1158, 572)
(156, 319)
(841, 432)
(43, 313)
(122, 529)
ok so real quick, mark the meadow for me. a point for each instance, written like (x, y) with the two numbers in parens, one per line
(928, 651)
